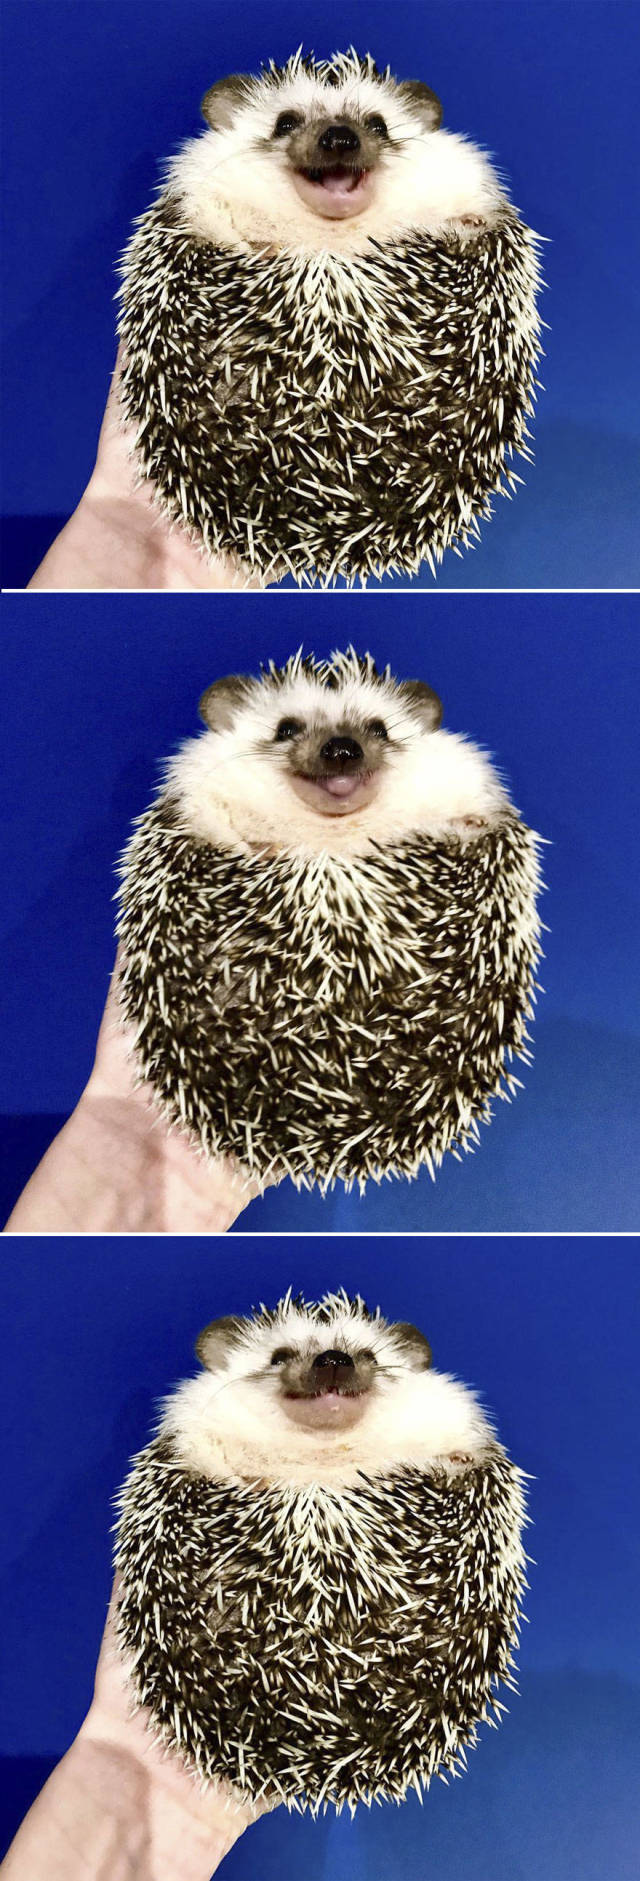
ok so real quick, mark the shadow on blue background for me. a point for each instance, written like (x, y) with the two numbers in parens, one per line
(95, 1332)
(97, 691)
(96, 95)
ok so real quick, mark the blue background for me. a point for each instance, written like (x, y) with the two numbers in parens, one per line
(95, 1332)
(98, 92)
(96, 691)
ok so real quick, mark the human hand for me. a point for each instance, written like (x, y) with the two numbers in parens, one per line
(118, 1168)
(121, 1807)
(119, 538)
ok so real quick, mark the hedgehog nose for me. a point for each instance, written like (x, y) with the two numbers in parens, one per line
(333, 1358)
(341, 751)
(339, 138)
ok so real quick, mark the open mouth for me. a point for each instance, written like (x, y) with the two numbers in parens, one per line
(337, 180)
(336, 786)
(335, 793)
(334, 189)
(342, 785)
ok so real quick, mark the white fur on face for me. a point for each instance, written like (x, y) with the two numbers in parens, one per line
(233, 1422)
(235, 186)
(231, 791)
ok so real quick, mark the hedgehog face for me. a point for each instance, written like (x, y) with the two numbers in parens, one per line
(324, 1387)
(318, 1377)
(317, 1393)
(286, 757)
(331, 759)
(334, 155)
(322, 156)
(326, 140)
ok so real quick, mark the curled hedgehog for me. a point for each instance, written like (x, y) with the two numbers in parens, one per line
(329, 327)
(320, 1559)
(329, 928)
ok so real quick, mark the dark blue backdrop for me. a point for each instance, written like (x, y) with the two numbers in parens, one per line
(97, 92)
(94, 1333)
(95, 691)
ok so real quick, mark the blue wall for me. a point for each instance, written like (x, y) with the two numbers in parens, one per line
(95, 691)
(97, 92)
(95, 1332)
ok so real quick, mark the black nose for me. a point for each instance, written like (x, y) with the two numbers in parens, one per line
(333, 1358)
(339, 138)
(341, 751)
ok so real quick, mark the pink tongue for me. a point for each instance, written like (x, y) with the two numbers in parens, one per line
(340, 786)
(340, 185)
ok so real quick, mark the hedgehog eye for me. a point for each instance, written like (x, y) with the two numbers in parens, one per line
(377, 728)
(280, 1357)
(376, 125)
(288, 728)
(288, 121)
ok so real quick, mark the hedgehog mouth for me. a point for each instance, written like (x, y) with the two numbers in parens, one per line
(329, 1406)
(334, 793)
(337, 190)
(338, 178)
(328, 1390)
(341, 784)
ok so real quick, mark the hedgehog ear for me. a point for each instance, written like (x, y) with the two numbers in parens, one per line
(214, 1343)
(219, 704)
(423, 701)
(414, 1343)
(221, 101)
(423, 102)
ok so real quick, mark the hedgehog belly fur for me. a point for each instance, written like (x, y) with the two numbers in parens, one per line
(329, 1019)
(315, 1646)
(329, 416)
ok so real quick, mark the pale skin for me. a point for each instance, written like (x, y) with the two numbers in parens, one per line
(117, 1168)
(119, 1807)
(118, 538)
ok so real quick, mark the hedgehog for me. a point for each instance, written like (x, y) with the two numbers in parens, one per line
(329, 328)
(320, 1561)
(329, 928)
